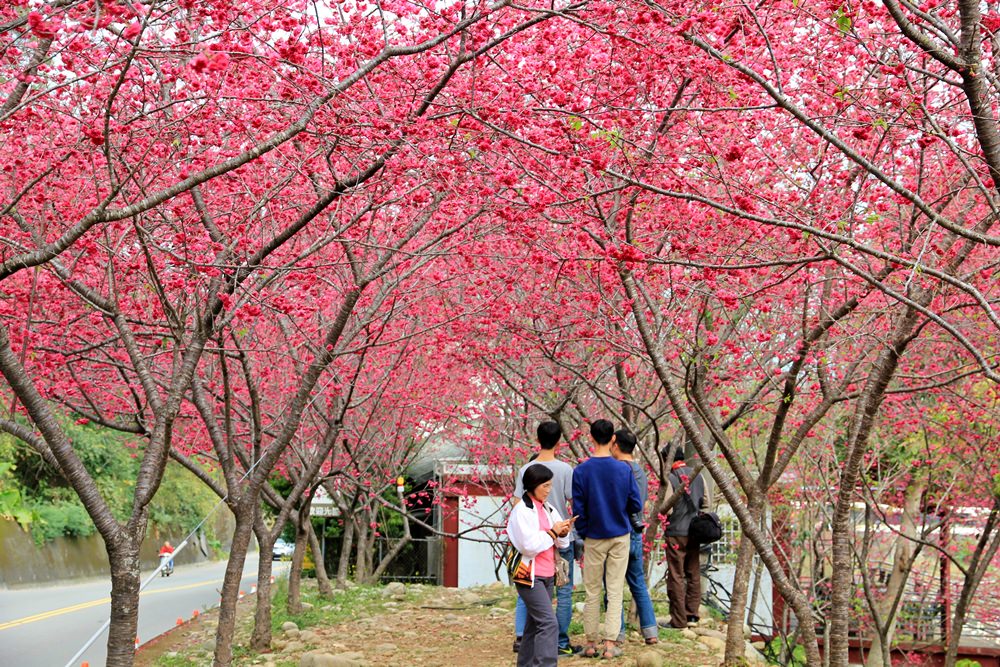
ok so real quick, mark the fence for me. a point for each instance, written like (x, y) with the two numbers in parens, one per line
(418, 562)
(718, 569)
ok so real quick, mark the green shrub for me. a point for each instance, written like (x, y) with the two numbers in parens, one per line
(39, 498)
(69, 519)
(777, 650)
(12, 505)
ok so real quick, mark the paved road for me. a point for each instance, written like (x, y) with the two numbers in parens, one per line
(45, 626)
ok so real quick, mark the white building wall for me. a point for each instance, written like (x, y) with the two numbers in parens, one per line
(476, 559)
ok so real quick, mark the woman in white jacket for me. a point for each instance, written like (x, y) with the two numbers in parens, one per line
(536, 530)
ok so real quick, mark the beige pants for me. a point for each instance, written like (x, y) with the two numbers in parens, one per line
(604, 564)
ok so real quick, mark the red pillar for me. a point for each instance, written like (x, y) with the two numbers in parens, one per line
(449, 522)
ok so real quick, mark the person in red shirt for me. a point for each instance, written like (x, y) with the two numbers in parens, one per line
(167, 550)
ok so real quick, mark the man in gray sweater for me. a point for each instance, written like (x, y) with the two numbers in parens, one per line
(683, 563)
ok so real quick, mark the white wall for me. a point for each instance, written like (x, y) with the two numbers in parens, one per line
(476, 561)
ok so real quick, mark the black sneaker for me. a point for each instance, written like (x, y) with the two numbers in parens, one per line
(569, 650)
(517, 644)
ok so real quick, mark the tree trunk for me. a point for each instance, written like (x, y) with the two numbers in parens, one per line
(294, 603)
(755, 594)
(245, 513)
(735, 641)
(389, 557)
(788, 589)
(361, 549)
(386, 560)
(122, 632)
(322, 579)
(370, 558)
(346, 546)
(902, 565)
(842, 547)
(260, 640)
(986, 549)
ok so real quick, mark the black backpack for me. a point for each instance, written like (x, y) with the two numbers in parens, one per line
(705, 527)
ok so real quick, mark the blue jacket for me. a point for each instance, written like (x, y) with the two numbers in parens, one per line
(604, 494)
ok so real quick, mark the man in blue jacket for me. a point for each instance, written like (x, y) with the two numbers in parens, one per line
(623, 448)
(604, 495)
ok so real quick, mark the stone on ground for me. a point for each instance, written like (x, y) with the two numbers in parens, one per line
(649, 658)
(713, 643)
(753, 656)
(317, 659)
(394, 588)
(710, 632)
(293, 647)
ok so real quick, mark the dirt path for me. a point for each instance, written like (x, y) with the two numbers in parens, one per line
(388, 626)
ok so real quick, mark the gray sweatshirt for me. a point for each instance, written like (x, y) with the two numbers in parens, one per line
(684, 510)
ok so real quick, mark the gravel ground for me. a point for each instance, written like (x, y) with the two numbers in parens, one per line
(396, 625)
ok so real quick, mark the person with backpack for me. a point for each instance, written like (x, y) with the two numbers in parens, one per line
(683, 560)
(536, 530)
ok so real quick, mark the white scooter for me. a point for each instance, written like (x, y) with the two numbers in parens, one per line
(167, 565)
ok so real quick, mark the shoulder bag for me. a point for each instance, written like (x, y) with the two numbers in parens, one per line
(705, 527)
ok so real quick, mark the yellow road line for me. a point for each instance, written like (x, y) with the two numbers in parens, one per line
(95, 603)
(54, 612)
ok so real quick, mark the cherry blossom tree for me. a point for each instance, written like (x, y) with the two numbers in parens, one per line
(826, 203)
(182, 152)
(758, 229)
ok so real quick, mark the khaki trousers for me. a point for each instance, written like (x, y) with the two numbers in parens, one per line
(604, 563)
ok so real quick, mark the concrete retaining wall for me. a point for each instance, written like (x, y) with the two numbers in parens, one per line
(23, 563)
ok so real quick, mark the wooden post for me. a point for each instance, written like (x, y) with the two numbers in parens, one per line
(945, 577)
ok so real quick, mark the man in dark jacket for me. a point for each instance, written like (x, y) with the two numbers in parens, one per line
(683, 565)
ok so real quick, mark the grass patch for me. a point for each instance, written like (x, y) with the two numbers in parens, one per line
(175, 661)
(343, 606)
(670, 635)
